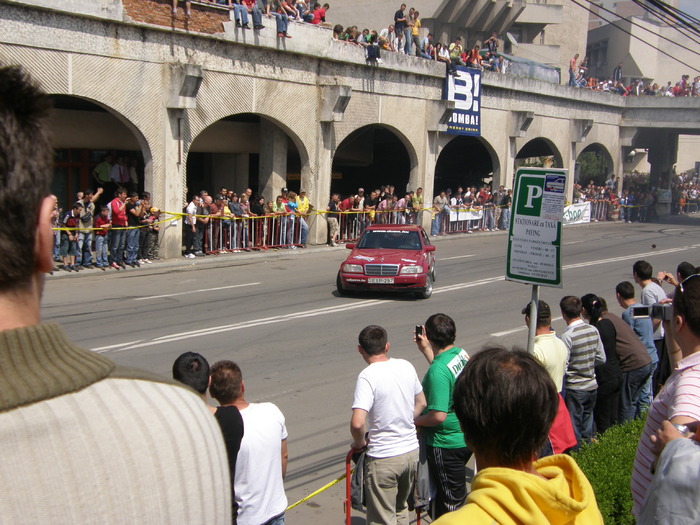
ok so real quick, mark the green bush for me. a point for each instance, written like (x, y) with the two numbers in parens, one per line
(608, 466)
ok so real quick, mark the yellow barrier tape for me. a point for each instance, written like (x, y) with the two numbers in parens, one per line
(317, 492)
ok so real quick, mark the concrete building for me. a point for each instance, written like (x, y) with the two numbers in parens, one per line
(199, 104)
(545, 31)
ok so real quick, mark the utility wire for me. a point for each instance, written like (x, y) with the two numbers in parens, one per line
(676, 14)
(631, 21)
(634, 36)
(665, 18)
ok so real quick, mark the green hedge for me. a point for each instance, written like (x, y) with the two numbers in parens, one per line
(608, 466)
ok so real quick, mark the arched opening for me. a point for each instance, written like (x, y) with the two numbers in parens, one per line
(464, 162)
(370, 157)
(539, 153)
(242, 151)
(594, 164)
(84, 134)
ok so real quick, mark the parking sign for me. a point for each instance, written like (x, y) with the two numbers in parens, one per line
(534, 237)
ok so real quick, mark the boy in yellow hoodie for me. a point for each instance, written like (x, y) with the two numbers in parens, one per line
(505, 402)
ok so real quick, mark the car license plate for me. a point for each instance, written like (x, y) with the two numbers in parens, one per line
(380, 280)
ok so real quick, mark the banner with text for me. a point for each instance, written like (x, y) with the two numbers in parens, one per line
(577, 213)
(464, 89)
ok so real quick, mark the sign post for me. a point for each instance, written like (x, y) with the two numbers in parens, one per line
(534, 237)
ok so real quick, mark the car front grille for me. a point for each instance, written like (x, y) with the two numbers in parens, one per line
(381, 269)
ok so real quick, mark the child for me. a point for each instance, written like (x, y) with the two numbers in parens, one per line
(69, 238)
(152, 238)
(102, 225)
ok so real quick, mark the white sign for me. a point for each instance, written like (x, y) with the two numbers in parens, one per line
(577, 213)
(534, 239)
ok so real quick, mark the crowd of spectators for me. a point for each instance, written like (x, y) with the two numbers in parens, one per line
(579, 77)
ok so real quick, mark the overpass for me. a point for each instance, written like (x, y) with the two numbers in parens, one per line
(198, 103)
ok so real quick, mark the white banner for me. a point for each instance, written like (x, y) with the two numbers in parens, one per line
(577, 213)
(465, 215)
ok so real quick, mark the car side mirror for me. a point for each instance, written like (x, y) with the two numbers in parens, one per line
(429, 248)
(350, 246)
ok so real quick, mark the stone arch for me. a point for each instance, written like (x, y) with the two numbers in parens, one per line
(456, 149)
(85, 128)
(239, 140)
(539, 147)
(605, 158)
(350, 150)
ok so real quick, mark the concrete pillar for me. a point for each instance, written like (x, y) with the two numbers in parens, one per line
(509, 164)
(273, 160)
(173, 186)
(662, 156)
(432, 152)
(319, 188)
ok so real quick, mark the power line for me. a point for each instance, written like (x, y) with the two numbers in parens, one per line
(675, 14)
(664, 19)
(647, 29)
(634, 36)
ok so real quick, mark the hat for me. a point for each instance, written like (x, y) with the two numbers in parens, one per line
(302, 191)
(543, 311)
(285, 190)
(360, 190)
(155, 210)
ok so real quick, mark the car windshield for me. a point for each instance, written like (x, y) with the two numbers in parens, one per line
(390, 239)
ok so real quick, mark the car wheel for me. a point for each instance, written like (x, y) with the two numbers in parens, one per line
(428, 290)
(339, 285)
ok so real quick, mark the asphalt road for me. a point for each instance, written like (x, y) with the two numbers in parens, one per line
(278, 316)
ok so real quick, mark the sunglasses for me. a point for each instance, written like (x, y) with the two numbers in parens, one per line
(686, 280)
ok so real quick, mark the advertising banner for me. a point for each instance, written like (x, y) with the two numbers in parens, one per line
(465, 90)
(577, 213)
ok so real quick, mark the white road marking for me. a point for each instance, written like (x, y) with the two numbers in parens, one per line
(456, 257)
(344, 307)
(193, 291)
(573, 242)
(518, 329)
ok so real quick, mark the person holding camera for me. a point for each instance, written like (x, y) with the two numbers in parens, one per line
(679, 400)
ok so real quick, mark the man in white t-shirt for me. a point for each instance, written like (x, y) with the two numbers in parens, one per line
(262, 458)
(549, 350)
(388, 395)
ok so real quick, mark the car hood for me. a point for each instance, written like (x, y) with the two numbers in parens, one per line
(385, 256)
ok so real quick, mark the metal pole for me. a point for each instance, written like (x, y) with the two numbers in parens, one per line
(533, 318)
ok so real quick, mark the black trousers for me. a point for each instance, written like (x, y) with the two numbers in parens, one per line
(448, 470)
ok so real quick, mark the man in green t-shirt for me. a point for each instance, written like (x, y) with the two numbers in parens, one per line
(447, 453)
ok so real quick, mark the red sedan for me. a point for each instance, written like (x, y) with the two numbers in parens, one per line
(397, 258)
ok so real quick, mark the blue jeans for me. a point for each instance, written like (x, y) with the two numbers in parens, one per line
(572, 78)
(647, 392)
(84, 244)
(304, 230)
(277, 520)
(117, 239)
(257, 16)
(580, 404)
(282, 22)
(633, 384)
(435, 224)
(407, 40)
(240, 13)
(505, 218)
(132, 246)
(101, 250)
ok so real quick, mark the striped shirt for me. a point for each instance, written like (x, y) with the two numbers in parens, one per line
(585, 352)
(679, 397)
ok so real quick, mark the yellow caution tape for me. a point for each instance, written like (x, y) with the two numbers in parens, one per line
(317, 492)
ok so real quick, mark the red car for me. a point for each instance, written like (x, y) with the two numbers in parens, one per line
(391, 257)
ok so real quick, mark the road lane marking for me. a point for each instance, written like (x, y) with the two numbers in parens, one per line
(456, 257)
(193, 291)
(344, 307)
(518, 329)
(573, 242)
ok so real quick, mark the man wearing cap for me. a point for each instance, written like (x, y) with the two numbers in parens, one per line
(302, 212)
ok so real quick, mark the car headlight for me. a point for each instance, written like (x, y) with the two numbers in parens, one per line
(352, 268)
(412, 269)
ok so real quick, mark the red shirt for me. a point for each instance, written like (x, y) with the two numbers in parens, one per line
(99, 222)
(319, 16)
(118, 217)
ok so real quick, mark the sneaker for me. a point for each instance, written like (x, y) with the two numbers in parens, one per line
(280, 35)
(102, 268)
(245, 26)
(115, 266)
(260, 26)
(199, 254)
(65, 267)
(148, 261)
(287, 36)
(190, 255)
